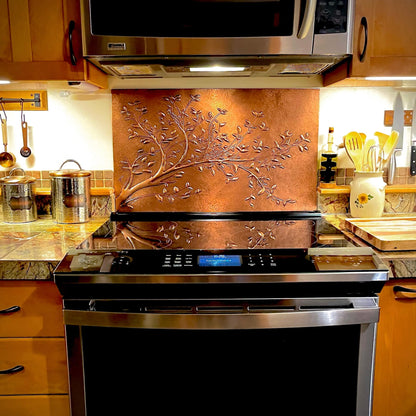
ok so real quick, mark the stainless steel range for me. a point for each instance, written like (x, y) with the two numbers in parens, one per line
(256, 318)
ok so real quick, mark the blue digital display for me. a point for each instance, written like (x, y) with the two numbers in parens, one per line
(219, 260)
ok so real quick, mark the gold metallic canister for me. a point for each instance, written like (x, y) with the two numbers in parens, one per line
(71, 198)
(18, 197)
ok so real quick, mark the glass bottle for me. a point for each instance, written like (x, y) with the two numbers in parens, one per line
(328, 159)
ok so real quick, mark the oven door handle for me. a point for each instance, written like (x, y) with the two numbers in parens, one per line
(357, 314)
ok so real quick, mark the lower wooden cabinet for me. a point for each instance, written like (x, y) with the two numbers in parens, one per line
(395, 361)
(44, 362)
(34, 405)
(32, 343)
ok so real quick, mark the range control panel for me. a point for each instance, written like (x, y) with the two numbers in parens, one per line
(187, 260)
(192, 261)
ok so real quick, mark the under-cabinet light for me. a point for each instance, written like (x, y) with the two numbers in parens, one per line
(391, 78)
(4, 81)
(216, 68)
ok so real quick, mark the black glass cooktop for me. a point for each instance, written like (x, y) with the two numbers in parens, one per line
(215, 231)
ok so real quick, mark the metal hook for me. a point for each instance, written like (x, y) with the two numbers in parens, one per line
(4, 111)
(22, 116)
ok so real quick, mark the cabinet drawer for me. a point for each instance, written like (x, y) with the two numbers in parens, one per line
(34, 405)
(40, 313)
(44, 362)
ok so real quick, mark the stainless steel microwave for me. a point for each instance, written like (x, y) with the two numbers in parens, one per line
(133, 38)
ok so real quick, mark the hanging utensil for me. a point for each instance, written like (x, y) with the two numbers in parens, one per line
(7, 159)
(25, 150)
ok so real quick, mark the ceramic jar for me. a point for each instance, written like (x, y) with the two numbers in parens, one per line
(367, 194)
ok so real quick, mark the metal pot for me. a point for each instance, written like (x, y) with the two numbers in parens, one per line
(70, 190)
(18, 197)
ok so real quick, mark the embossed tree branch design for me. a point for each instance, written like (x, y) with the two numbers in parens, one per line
(184, 138)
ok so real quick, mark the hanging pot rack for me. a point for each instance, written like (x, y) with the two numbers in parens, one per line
(35, 99)
(30, 100)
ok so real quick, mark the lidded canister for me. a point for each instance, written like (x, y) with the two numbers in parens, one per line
(70, 190)
(18, 197)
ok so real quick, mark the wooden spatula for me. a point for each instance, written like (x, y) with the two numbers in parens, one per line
(389, 146)
(354, 146)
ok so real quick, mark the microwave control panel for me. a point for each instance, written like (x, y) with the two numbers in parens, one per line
(331, 16)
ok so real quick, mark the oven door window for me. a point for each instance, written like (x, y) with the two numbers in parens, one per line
(192, 18)
(299, 370)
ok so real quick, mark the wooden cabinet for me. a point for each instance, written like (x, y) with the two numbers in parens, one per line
(390, 50)
(395, 362)
(35, 39)
(32, 337)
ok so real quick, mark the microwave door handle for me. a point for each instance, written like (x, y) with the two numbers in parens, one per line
(308, 19)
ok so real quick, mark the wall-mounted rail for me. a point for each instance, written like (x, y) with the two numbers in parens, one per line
(31, 100)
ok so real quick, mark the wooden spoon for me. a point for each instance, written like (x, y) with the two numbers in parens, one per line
(389, 146)
(7, 159)
(382, 138)
(354, 146)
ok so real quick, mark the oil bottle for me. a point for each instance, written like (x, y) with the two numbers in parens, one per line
(328, 159)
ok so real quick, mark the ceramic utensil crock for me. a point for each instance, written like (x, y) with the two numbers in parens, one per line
(367, 194)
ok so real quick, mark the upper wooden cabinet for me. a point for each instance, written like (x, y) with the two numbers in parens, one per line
(35, 42)
(384, 41)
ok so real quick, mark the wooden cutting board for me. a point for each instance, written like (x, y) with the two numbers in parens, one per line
(385, 233)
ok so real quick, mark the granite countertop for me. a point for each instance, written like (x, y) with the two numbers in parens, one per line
(32, 250)
(402, 264)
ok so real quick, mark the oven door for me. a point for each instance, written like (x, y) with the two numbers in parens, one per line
(197, 27)
(301, 356)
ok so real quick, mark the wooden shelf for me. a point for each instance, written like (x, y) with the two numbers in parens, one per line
(328, 189)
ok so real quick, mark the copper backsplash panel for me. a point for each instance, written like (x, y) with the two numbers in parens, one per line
(215, 150)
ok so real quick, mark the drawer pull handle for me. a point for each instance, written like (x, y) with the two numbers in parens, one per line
(11, 309)
(15, 369)
(364, 24)
(71, 48)
(404, 292)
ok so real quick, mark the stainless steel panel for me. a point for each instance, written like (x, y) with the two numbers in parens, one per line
(336, 43)
(363, 310)
(94, 46)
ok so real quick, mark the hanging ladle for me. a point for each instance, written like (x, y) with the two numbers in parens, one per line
(25, 150)
(7, 159)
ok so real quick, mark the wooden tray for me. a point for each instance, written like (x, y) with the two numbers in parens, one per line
(385, 233)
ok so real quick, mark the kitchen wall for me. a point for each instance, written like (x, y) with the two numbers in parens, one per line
(78, 124)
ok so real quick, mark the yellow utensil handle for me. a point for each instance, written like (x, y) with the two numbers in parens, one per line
(4, 131)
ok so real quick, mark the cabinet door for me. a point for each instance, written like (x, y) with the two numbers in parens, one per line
(38, 311)
(386, 31)
(395, 362)
(44, 366)
(35, 42)
(391, 48)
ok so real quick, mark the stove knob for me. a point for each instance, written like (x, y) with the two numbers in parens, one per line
(122, 261)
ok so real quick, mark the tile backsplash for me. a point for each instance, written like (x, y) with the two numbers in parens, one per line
(402, 176)
(99, 178)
